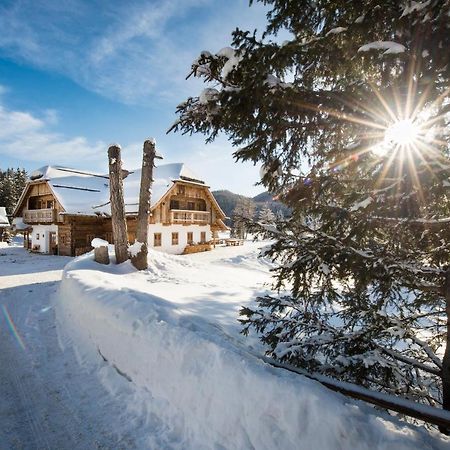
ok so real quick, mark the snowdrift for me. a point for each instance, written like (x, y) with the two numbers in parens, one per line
(194, 387)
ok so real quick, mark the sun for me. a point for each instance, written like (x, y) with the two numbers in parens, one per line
(400, 129)
(403, 133)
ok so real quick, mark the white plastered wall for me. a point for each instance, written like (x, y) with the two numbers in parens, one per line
(42, 231)
(182, 230)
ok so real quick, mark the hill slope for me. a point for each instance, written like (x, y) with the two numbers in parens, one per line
(227, 201)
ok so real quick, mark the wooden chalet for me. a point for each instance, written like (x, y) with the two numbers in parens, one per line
(63, 209)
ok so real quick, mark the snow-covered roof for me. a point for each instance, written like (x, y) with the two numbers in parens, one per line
(81, 192)
(3, 217)
(18, 224)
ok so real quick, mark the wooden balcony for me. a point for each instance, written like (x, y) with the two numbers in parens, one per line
(185, 216)
(40, 215)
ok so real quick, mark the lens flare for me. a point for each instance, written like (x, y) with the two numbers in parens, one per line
(13, 328)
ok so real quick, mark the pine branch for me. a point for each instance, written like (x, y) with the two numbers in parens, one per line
(427, 349)
(396, 355)
(423, 222)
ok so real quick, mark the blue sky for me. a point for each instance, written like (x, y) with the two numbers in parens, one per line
(77, 75)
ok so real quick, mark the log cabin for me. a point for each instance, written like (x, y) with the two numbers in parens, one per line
(64, 209)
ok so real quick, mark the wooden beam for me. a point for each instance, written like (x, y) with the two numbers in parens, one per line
(429, 414)
(148, 159)
(119, 223)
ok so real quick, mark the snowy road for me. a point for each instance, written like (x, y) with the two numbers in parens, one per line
(46, 402)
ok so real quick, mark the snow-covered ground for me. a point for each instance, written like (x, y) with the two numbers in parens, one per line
(47, 401)
(165, 344)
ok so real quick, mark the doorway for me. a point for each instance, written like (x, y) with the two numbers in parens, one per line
(52, 243)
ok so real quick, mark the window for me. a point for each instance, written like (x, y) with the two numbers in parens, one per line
(37, 236)
(49, 204)
(182, 189)
(174, 204)
(157, 240)
(174, 238)
(203, 237)
(191, 206)
(190, 237)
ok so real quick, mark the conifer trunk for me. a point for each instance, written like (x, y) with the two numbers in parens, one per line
(446, 359)
(119, 224)
(140, 260)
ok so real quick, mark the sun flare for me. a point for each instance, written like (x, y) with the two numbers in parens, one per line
(400, 130)
(401, 134)
(404, 132)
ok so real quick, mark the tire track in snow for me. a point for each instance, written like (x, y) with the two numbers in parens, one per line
(46, 401)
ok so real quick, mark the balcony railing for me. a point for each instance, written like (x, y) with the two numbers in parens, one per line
(189, 216)
(39, 215)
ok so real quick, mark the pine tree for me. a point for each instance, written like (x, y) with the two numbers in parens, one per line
(243, 212)
(12, 183)
(266, 216)
(350, 120)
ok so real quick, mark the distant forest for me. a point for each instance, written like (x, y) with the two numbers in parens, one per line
(228, 200)
(12, 182)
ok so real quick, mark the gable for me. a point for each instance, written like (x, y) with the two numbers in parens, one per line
(36, 189)
(173, 191)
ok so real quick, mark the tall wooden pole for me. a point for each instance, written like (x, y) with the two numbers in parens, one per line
(140, 260)
(119, 223)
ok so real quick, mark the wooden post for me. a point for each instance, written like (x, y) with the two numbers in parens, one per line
(119, 223)
(101, 254)
(140, 260)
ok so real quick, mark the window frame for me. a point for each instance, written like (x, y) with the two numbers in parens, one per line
(157, 242)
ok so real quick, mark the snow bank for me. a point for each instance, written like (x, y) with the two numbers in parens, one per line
(205, 389)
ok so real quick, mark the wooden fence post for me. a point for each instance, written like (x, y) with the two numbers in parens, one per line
(119, 223)
(149, 152)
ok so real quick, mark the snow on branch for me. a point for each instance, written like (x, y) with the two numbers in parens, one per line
(391, 48)
(413, 362)
(435, 223)
(414, 6)
(336, 30)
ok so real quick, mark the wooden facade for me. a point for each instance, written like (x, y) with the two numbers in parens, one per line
(184, 204)
(40, 205)
(75, 234)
